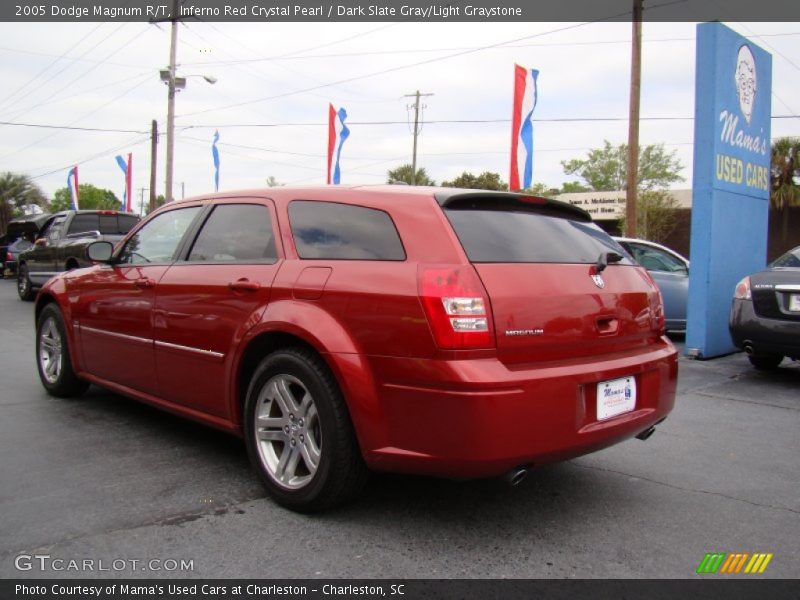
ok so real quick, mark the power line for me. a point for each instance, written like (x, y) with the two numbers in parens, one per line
(39, 141)
(75, 59)
(364, 123)
(86, 72)
(62, 71)
(132, 143)
(399, 68)
(451, 49)
(47, 67)
(456, 121)
(68, 127)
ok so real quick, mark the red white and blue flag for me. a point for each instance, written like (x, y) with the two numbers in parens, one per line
(338, 132)
(127, 171)
(525, 96)
(72, 186)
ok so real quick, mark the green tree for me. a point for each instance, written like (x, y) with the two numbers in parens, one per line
(485, 181)
(571, 187)
(89, 198)
(785, 174)
(402, 174)
(606, 169)
(16, 192)
(655, 215)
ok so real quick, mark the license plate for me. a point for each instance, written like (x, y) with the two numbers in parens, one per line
(615, 397)
(794, 303)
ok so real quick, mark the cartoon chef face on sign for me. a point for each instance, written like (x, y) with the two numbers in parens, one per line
(745, 78)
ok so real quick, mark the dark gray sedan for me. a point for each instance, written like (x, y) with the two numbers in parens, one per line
(765, 316)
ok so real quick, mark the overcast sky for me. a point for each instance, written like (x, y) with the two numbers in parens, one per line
(105, 75)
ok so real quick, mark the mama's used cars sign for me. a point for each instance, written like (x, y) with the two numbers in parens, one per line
(730, 191)
(742, 150)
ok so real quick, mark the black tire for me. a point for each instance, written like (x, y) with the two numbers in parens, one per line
(765, 362)
(24, 285)
(340, 472)
(52, 356)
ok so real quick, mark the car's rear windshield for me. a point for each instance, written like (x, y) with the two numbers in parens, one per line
(789, 260)
(500, 236)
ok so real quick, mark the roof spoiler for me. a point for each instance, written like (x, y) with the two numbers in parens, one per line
(458, 199)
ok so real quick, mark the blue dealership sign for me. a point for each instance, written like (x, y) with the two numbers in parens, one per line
(730, 197)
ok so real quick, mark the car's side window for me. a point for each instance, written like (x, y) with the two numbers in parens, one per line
(654, 259)
(157, 240)
(54, 230)
(236, 233)
(84, 222)
(330, 230)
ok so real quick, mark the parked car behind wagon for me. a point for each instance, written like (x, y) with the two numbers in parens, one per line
(670, 271)
(61, 244)
(457, 333)
(765, 313)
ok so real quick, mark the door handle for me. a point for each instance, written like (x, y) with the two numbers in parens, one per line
(144, 282)
(244, 285)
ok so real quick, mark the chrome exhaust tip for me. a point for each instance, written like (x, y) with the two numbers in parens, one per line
(646, 433)
(516, 476)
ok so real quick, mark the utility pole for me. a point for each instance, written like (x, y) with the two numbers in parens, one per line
(173, 50)
(153, 164)
(416, 107)
(141, 200)
(633, 120)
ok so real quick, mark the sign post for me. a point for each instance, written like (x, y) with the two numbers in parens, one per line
(730, 198)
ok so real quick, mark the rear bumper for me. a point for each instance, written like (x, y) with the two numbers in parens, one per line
(765, 335)
(476, 418)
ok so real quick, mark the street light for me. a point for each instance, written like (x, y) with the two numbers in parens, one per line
(174, 83)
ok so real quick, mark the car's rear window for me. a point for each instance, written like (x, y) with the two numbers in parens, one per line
(106, 224)
(84, 222)
(499, 236)
(117, 224)
(330, 230)
(790, 259)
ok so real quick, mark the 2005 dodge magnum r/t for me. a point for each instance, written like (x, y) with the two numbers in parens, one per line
(459, 333)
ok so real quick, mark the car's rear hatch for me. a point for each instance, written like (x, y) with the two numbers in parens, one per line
(559, 287)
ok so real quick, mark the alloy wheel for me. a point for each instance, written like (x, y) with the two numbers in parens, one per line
(287, 431)
(50, 351)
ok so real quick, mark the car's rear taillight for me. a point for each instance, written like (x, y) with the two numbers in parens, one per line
(457, 306)
(8, 256)
(742, 291)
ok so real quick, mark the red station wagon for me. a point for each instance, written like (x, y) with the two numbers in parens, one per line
(458, 333)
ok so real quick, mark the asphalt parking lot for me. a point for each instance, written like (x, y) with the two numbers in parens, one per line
(105, 478)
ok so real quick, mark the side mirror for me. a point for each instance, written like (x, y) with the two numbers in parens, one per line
(100, 251)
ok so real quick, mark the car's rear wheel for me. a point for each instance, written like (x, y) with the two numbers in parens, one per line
(52, 356)
(24, 285)
(765, 362)
(299, 435)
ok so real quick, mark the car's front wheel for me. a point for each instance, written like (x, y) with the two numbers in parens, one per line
(24, 286)
(299, 435)
(765, 362)
(52, 356)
